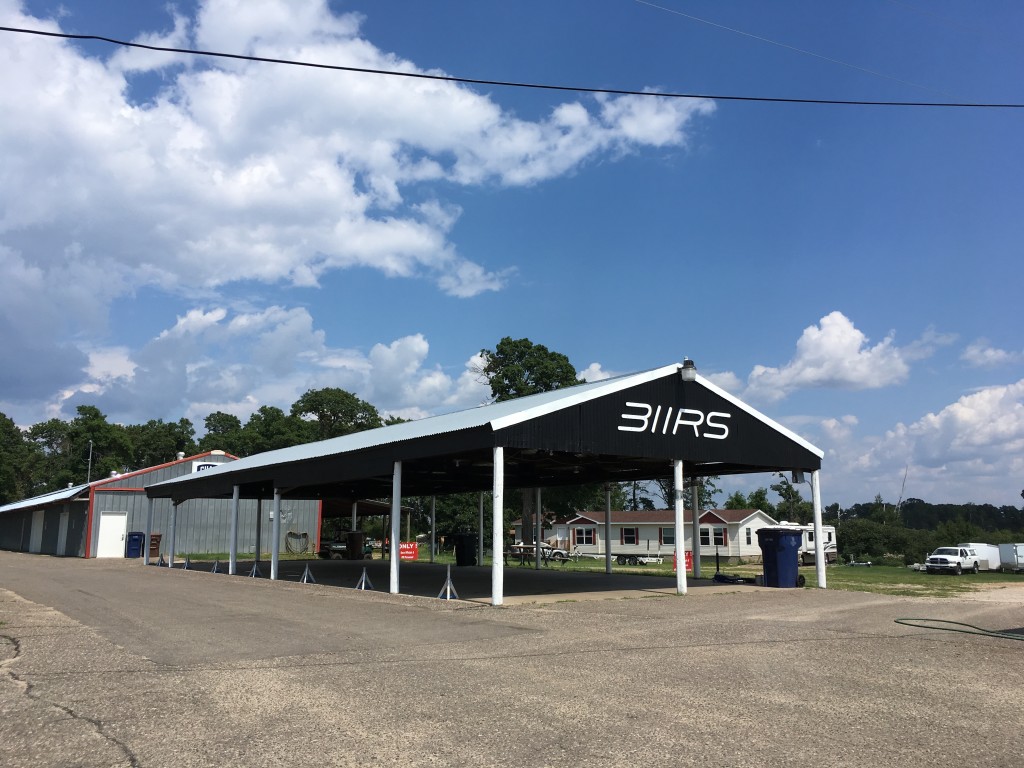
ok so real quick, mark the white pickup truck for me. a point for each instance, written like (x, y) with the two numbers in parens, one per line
(952, 559)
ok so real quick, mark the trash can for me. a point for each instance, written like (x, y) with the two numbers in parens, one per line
(779, 548)
(133, 543)
(355, 542)
(154, 545)
(465, 549)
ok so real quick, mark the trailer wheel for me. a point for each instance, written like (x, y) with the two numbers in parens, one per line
(621, 559)
(634, 560)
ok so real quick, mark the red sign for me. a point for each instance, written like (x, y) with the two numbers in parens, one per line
(688, 558)
(408, 550)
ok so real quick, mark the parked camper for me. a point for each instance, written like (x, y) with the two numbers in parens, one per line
(806, 551)
(1011, 557)
(988, 555)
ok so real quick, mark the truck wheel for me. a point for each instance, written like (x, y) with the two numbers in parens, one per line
(959, 570)
(975, 567)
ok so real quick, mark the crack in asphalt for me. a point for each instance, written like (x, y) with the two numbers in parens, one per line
(28, 689)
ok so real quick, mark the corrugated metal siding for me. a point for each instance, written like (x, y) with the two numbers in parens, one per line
(203, 526)
(14, 528)
(161, 473)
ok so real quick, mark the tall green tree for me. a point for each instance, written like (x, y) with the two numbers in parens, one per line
(518, 367)
(157, 441)
(223, 433)
(16, 453)
(335, 412)
(270, 428)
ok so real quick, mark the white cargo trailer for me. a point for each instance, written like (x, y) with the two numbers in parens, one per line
(988, 555)
(1011, 557)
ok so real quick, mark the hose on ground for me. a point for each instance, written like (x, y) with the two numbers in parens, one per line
(970, 628)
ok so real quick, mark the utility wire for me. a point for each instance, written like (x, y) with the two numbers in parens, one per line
(512, 84)
(788, 47)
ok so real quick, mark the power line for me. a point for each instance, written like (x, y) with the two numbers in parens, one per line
(788, 47)
(513, 84)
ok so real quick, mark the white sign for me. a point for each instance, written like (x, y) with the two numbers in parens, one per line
(647, 418)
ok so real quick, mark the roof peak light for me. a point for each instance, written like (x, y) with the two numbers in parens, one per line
(689, 370)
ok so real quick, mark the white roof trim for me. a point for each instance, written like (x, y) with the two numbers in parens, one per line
(599, 389)
(46, 499)
(761, 417)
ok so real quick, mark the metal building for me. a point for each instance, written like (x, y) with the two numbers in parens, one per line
(94, 519)
(633, 427)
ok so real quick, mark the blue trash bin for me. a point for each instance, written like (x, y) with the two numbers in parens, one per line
(133, 544)
(779, 552)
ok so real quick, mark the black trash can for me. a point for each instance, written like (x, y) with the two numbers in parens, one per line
(779, 548)
(465, 549)
(355, 544)
(133, 543)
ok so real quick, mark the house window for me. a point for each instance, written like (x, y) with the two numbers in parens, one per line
(720, 537)
(668, 536)
(585, 536)
(749, 537)
(705, 537)
(630, 535)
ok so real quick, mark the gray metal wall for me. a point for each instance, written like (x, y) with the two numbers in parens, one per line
(203, 526)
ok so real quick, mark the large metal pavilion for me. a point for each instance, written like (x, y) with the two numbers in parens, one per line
(668, 421)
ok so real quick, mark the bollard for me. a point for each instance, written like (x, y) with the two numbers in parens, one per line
(448, 590)
(307, 576)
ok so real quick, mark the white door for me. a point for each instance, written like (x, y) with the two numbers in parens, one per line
(113, 527)
(35, 539)
(62, 534)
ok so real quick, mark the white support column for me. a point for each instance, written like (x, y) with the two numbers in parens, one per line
(680, 561)
(174, 525)
(696, 528)
(607, 529)
(433, 527)
(275, 544)
(355, 516)
(233, 544)
(819, 543)
(149, 530)
(396, 523)
(538, 530)
(480, 533)
(498, 528)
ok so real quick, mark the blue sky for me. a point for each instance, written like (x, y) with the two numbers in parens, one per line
(183, 235)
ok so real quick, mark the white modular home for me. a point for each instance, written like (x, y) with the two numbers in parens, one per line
(731, 533)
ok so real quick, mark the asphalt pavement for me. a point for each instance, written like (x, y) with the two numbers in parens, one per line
(111, 663)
